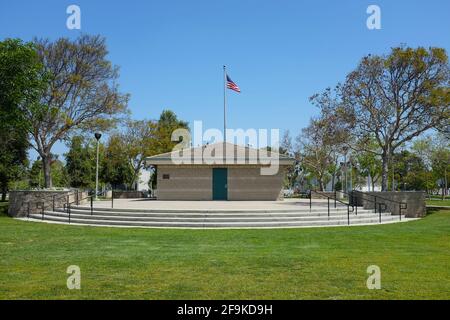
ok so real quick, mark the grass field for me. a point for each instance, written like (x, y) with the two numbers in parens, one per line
(436, 202)
(323, 263)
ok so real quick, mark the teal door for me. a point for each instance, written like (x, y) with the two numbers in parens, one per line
(220, 181)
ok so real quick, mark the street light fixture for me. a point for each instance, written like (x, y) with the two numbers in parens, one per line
(97, 137)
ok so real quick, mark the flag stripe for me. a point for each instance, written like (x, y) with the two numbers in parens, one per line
(231, 85)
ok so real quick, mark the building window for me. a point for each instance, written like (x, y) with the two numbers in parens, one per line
(166, 176)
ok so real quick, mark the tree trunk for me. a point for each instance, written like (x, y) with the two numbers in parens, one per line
(384, 171)
(46, 165)
(134, 180)
(444, 192)
(4, 191)
(321, 184)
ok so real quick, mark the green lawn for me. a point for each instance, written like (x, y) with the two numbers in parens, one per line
(435, 202)
(324, 263)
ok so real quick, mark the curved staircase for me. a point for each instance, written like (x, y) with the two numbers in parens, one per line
(167, 218)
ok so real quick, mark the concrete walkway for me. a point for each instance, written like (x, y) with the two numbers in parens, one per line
(287, 204)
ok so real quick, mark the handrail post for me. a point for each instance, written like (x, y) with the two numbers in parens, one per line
(375, 205)
(400, 211)
(112, 198)
(328, 208)
(92, 204)
(54, 203)
(43, 208)
(379, 211)
(310, 200)
(335, 199)
(348, 214)
(69, 212)
(28, 211)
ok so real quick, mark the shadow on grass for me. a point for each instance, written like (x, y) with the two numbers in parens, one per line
(431, 211)
(3, 208)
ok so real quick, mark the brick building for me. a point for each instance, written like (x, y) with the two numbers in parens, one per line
(220, 172)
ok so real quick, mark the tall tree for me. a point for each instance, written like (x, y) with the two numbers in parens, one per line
(422, 148)
(167, 123)
(315, 151)
(322, 142)
(287, 148)
(59, 174)
(440, 161)
(81, 162)
(410, 172)
(396, 98)
(82, 93)
(21, 83)
(13, 157)
(139, 139)
(115, 168)
(369, 163)
(36, 173)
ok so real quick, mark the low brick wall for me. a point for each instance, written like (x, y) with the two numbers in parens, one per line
(324, 194)
(415, 201)
(21, 200)
(128, 194)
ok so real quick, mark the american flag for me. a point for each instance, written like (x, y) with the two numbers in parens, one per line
(231, 85)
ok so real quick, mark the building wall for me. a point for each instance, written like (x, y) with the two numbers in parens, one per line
(195, 183)
(248, 184)
(184, 183)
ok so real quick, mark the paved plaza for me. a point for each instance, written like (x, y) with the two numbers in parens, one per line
(287, 204)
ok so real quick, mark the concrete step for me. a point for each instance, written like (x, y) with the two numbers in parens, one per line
(204, 211)
(354, 220)
(211, 217)
(217, 214)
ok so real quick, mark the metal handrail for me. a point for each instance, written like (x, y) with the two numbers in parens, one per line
(335, 199)
(67, 206)
(400, 203)
(380, 197)
(41, 202)
(374, 201)
(325, 195)
(52, 197)
(377, 205)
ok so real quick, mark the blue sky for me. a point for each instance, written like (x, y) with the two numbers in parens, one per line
(171, 53)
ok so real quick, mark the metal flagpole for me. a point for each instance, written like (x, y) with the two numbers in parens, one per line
(224, 104)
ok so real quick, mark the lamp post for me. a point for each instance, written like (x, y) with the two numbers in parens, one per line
(97, 137)
(345, 150)
(40, 170)
(351, 174)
